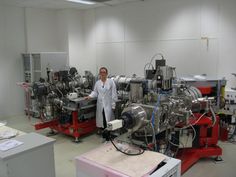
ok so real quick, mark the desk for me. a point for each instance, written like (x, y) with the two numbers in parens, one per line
(34, 158)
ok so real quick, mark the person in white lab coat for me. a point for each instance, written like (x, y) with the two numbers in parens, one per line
(106, 94)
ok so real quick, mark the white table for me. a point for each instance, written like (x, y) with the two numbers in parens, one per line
(106, 161)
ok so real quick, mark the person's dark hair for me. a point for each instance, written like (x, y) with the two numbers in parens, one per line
(104, 69)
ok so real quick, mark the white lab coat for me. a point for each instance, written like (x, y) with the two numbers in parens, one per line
(106, 95)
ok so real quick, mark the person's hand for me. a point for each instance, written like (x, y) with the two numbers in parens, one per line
(87, 97)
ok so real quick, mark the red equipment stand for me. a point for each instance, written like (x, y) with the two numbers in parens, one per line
(206, 140)
(224, 133)
(76, 129)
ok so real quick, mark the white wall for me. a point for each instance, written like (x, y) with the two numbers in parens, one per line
(43, 32)
(75, 39)
(73, 23)
(89, 44)
(12, 44)
(53, 30)
(62, 30)
(227, 41)
(195, 36)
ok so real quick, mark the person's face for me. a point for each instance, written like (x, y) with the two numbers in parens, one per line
(103, 74)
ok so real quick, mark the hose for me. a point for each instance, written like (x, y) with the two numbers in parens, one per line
(155, 110)
(154, 138)
(213, 116)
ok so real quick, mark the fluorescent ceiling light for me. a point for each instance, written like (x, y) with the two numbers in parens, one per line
(82, 2)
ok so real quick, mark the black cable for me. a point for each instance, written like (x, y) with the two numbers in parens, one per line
(125, 152)
(173, 144)
(167, 147)
(181, 143)
(176, 152)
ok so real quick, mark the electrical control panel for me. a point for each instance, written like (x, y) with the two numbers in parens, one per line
(230, 103)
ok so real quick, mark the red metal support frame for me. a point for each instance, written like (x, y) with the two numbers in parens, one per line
(76, 129)
(207, 143)
(75, 124)
(224, 133)
(190, 156)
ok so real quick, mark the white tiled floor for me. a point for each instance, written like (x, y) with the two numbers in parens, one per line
(66, 150)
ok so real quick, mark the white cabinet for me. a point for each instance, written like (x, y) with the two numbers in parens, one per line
(36, 64)
(34, 158)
